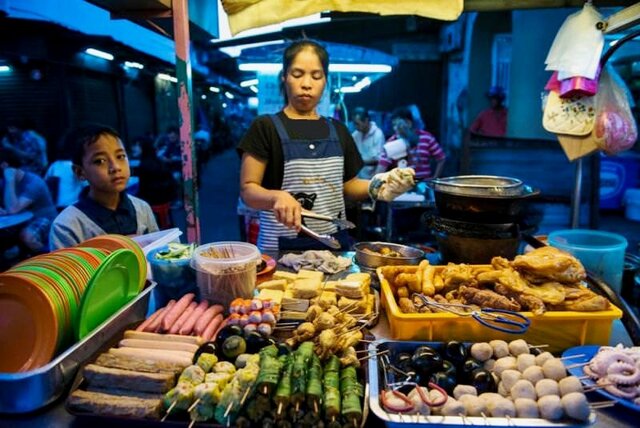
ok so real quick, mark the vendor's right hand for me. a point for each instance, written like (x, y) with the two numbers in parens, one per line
(287, 210)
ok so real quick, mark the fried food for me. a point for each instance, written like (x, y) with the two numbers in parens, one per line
(487, 299)
(409, 280)
(506, 276)
(529, 303)
(454, 275)
(592, 303)
(550, 264)
(549, 292)
(407, 306)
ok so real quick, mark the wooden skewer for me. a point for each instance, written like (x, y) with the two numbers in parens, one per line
(374, 355)
(596, 386)
(226, 412)
(537, 346)
(571, 357)
(573, 366)
(193, 406)
(367, 341)
(192, 423)
(315, 407)
(602, 404)
(297, 407)
(279, 411)
(169, 411)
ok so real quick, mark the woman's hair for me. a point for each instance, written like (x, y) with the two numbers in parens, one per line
(402, 113)
(292, 51)
(78, 139)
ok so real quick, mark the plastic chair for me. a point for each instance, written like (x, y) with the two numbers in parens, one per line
(163, 215)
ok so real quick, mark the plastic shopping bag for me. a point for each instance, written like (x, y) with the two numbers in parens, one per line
(615, 128)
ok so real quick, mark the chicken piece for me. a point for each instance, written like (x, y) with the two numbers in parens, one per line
(407, 306)
(488, 299)
(349, 358)
(324, 321)
(409, 280)
(549, 292)
(325, 344)
(440, 299)
(454, 275)
(333, 310)
(348, 339)
(305, 331)
(529, 303)
(550, 264)
(313, 312)
(592, 303)
(507, 276)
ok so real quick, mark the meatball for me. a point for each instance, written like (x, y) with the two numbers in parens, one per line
(547, 387)
(489, 364)
(554, 369)
(453, 408)
(504, 363)
(550, 407)
(570, 384)
(473, 405)
(481, 351)
(500, 348)
(540, 359)
(503, 408)
(526, 408)
(525, 361)
(533, 374)
(461, 390)
(518, 347)
(576, 406)
(509, 378)
(523, 389)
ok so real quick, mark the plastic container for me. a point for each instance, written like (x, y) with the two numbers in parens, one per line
(225, 271)
(631, 202)
(602, 253)
(617, 174)
(151, 241)
(577, 328)
(175, 278)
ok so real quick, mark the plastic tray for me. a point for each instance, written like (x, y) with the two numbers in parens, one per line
(559, 330)
(28, 391)
(411, 421)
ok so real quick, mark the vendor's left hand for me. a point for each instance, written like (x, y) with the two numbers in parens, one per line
(389, 185)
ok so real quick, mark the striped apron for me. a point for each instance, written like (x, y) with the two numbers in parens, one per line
(313, 174)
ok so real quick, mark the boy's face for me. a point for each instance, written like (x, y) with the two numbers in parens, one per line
(105, 165)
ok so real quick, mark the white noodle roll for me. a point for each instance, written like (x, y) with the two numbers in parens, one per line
(547, 387)
(453, 408)
(503, 408)
(554, 369)
(518, 347)
(509, 378)
(500, 348)
(475, 406)
(461, 390)
(489, 364)
(525, 361)
(570, 384)
(523, 389)
(419, 406)
(481, 351)
(576, 406)
(505, 363)
(540, 359)
(526, 408)
(533, 374)
(550, 407)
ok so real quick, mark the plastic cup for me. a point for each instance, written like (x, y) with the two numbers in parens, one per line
(600, 252)
(174, 277)
(225, 271)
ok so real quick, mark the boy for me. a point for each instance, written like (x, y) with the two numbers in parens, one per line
(98, 156)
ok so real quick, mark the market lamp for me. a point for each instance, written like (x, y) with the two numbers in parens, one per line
(619, 21)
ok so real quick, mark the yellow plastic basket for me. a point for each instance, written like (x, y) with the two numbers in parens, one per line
(558, 329)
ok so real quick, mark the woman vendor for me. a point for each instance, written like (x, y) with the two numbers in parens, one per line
(298, 159)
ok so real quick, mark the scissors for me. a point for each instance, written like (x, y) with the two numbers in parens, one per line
(498, 319)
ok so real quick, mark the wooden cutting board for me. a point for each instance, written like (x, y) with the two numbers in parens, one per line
(576, 147)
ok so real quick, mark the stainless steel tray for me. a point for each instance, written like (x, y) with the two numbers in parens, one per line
(413, 421)
(28, 391)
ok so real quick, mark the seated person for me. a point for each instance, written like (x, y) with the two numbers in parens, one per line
(26, 191)
(99, 157)
(69, 185)
(369, 140)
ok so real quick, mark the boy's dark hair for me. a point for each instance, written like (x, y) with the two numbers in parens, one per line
(402, 113)
(293, 50)
(360, 112)
(12, 159)
(77, 140)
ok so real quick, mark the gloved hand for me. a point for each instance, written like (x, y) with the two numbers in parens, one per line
(386, 186)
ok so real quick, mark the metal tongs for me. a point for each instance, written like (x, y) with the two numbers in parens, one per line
(327, 240)
(343, 224)
(498, 319)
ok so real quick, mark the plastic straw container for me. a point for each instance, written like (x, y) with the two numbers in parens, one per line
(225, 271)
(600, 252)
(174, 277)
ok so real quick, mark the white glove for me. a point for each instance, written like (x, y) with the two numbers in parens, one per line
(386, 186)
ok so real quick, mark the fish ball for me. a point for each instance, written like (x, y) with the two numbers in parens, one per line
(474, 406)
(500, 348)
(533, 374)
(523, 389)
(526, 408)
(550, 407)
(436, 396)
(453, 408)
(505, 363)
(554, 369)
(419, 406)
(576, 406)
(503, 408)
(525, 361)
(504, 392)
(547, 387)
(540, 359)
(489, 364)
(461, 390)
(570, 384)
(481, 351)
(488, 397)
(509, 378)
(518, 347)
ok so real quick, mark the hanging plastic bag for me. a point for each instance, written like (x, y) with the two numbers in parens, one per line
(578, 45)
(615, 128)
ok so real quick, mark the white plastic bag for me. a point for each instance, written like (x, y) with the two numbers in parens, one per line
(578, 45)
(615, 128)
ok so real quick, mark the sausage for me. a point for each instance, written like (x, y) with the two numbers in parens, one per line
(206, 318)
(174, 313)
(190, 323)
(175, 328)
(224, 323)
(212, 327)
(143, 335)
(155, 344)
(157, 323)
(149, 320)
(177, 357)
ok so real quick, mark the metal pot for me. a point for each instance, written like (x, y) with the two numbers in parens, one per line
(409, 255)
(478, 185)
